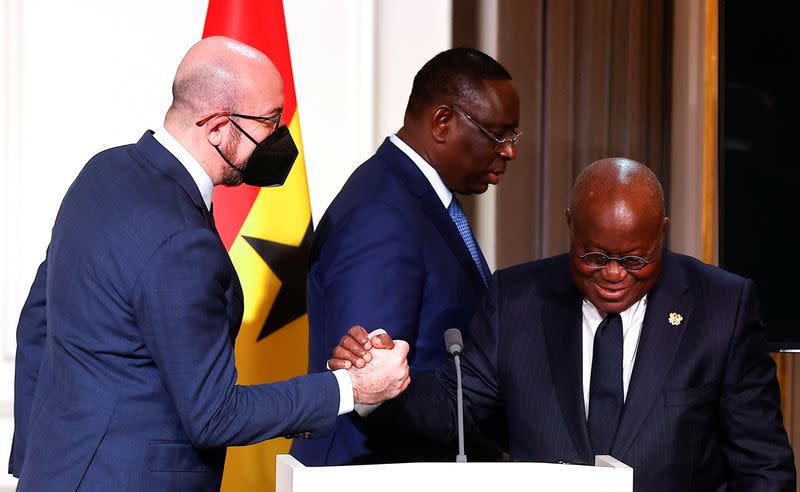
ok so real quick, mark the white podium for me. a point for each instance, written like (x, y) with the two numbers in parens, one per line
(608, 475)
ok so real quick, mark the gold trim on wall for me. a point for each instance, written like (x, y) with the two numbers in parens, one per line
(710, 112)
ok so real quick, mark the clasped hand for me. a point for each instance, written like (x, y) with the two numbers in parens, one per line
(377, 375)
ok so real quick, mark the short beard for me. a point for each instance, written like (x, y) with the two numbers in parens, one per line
(230, 176)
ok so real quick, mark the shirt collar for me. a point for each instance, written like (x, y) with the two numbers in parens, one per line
(196, 171)
(635, 311)
(444, 194)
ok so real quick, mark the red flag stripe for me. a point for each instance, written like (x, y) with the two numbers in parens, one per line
(231, 207)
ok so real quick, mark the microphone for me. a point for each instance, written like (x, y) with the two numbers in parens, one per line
(455, 344)
(453, 341)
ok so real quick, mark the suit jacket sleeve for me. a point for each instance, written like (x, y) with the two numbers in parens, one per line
(485, 424)
(181, 308)
(370, 273)
(753, 437)
(31, 335)
(428, 407)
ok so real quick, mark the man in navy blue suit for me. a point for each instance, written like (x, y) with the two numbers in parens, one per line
(394, 249)
(618, 347)
(125, 376)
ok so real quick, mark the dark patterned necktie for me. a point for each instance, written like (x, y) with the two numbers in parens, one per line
(605, 389)
(211, 220)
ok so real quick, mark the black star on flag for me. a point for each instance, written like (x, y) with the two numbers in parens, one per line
(289, 263)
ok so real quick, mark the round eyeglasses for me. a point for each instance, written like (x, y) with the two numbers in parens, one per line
(596, 259)
(500, 141)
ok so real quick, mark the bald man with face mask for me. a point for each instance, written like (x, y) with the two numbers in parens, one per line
(617, 347)
(125, 375)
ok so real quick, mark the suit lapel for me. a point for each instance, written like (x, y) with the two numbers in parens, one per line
(163, 160)
(562, 320)
(447, 228)
(658, 344)
(418, 185)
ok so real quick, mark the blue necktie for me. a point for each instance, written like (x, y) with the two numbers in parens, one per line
(457, 214)
(605, 388)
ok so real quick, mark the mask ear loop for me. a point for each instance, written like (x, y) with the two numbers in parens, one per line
(242, 130)
(229, 163)
(240, 171)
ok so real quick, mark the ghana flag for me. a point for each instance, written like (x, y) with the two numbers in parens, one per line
(266, 232)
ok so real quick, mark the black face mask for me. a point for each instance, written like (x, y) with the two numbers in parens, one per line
(271, 160)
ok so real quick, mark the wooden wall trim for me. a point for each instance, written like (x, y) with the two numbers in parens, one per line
(710, 112)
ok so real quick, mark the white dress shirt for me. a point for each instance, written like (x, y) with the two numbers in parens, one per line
(199, 175)
(632, 319)
(444, 193)
(206, 187)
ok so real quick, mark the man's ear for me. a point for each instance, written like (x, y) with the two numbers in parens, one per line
(213, 129)
(441, 118)
(568, 214)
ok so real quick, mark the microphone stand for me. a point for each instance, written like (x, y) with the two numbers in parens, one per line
(455, 344)
(461, 457)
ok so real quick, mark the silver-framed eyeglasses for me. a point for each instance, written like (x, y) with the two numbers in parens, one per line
(596, 259)
(500, 141)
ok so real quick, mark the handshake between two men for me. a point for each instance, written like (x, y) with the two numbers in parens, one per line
(388, 374)
(417, 426)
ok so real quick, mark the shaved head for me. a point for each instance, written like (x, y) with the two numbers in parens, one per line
(617, 210)
(199, 88)
(218, 79)
(623, 181)
(219, 74)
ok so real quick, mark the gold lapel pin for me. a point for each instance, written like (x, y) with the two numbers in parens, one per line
(675, 319)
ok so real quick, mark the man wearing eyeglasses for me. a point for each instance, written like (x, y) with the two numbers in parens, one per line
(395, 249)
(125, 375)
(619, 347)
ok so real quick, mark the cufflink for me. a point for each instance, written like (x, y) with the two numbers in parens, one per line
(298, 435)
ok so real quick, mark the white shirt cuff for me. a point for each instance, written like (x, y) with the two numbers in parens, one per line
(346, 400)
(364, 409)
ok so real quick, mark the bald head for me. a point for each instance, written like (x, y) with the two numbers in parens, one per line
(219, 79)
(622, 185)
(221, 74)
(617, 225)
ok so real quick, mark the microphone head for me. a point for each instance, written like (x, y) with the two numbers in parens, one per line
(453, 341)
